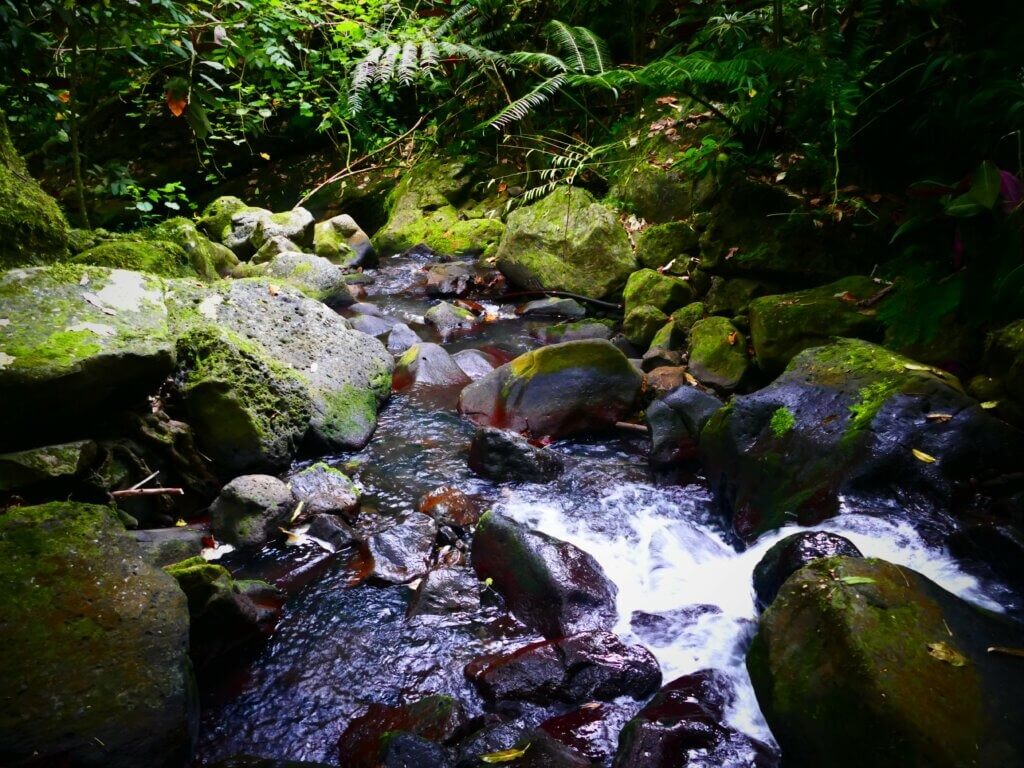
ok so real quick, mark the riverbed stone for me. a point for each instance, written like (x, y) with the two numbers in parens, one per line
(569, 670)
(566, 242)
(577, 331)
(316, 277)
(550, 585)
(402, 553)
(448, 318)
(718, 354)
(428, 365)
(209, 260)
(251, 510)
(642, 324)
(324, 489)
(504, 456)
(77, 342)
(651, 288)
(273, 247)
(474, 363)
(400, 338)
(851, 419)
(552, 306)
(862, 662)
(675, 422)
(557, 390)
(790, 555)
(446, 591)
(434, 718)
(450, 279)
(661, 244)
(449, 506)
(95, 640)
(783, 325)
(342, 241)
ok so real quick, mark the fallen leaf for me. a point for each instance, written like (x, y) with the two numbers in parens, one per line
(64, 97)
(854, 580)
(988, 405)
(273, 290)
(505, 755)
(179, 523)
(690, 379)
(847, 297)
(265, 155)
(917, 367)
(297, 512)
(944, 652)
(922, 456)
(731, 252)
(732, 338)
(940, 417)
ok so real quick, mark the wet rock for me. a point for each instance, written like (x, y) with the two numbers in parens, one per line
(248, 761)
(641, 324)
(505, 456)
(846, 419)
(659, 628)
(665, 379)
(999, 546)
(366, 308)
(790, 555)
(646, 287)
(429, 365)
(341, 241)
(323, 489)
(222, 616)
(334, 530)
(450, 506)
(675, 422)
(474, 363)
(364, 742)
(592, 730)
(407, 750)
(566, 242)
(249, 413)
(683, 725)
(541, 750)
(452, 279)
(316, 277)
(861, 662)
(784, 325)
(446, 591)
(77, 344)
(659, 357)
(346, 374)
(164, 546)
(571, 670)
(550, 585)
(96, 668)
(372, 325)
(400, 338)
(661, 244)
(552, 307)
(556, 334)
(250, 510)
(557, 390)
(447, 318)
(273, 247)
(494, 735)
(718, 354)
(402, 553)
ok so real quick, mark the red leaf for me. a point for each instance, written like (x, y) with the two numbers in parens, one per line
(176, 103)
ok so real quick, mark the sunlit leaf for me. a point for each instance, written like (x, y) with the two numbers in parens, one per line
(854, 580)
(504, 756)
(946, 653)
(922, 456)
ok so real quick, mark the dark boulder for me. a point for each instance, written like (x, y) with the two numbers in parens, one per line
(861, 662)
(408, 750)
(364, 742)
(450, 506)
(551, 586)
(250, 510)
(427, 365)
(333, 530)
(372, 325)
(325, 490)
(790, 555)
(570, 670)
(675, 422)
(592, 729)
(505, 456)
(446, 591)
(999, 546)
(402, 553)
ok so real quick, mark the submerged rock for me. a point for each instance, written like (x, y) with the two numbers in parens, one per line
(323, 489)
(448, 319)
(790, 555)
(556, 390)
(402, 553)
(427, 365)
(566, 242)
(860, 662)
(251, 510)
(77, 343)
(571, 670)
(363, 744)
(96, 668)
(452, 279)
(449, 506)
(855, 420)
(505, 456)
(550, 585)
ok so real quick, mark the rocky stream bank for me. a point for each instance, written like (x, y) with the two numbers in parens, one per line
(530, 488)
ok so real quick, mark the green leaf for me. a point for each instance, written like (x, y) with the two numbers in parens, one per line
(854, 580)
(504, 756)
(964, 206)
(985, 185)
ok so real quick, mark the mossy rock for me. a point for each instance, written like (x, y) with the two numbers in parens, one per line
(75, 343)
(642, 324)
(648, 287)
(661, 244)
(51, 464)
(732, 296)
(1004, 359)
(248, 411)
(566, 242)
(33, 229)
(718, 354)
(157, 257)
(857, 419)
(209, 259)
(557, 390)
(688, 316)
(215, 220)
(861, 662)
(783, 325)
(315, 276)
(96, 668)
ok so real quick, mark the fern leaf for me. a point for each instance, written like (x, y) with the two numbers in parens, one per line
(542, 61)
(388, 61)
(428, 55)
(564, 38)
(362, 76)
(409, 64)
(524, 105)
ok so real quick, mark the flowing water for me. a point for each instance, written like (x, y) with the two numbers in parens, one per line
(684, 582)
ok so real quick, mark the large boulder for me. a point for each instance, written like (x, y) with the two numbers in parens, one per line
(96, 669)
(663, 244)
(33, 229)
(556, 390)
(648, 287)
(551, 586)
(566, 242)
(251, 510)
(341, 241)
(718, 354)
(346, 373)
(402, 553)
(316, 277)
(854, 420)
(861, 662)
(675, 422)
(428, 207)
(788, 556)
(158, 257)
(326, 490)
(642, 324)
(505, 456)
(783, 325)
(571, 670)
(75, 343)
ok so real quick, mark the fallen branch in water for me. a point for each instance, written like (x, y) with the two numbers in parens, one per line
(1004, 651)
(565, 294)
(632, 427)
(132, 492)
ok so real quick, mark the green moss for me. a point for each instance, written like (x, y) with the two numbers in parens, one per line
(658, 245)
(592, 354)
(642, 324)
(648, 287)
(782, 422)
(60, 349)
(686, 317)
(718, 353)
(156, 257)
(216, 217)
(348, 410)
(200, 580)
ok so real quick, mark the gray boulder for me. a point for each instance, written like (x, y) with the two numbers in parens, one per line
(251, 509)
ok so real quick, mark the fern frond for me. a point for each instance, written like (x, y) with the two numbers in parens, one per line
(362, 76)
(409, 65)
(428, 55)
(563, 37)
(524, 105)
(388, 61)
(543, 61)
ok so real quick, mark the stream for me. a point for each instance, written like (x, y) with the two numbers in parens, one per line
(684, 581)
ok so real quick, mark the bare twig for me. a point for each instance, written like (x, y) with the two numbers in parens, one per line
(133, 492)
(632, 427)
(143, 482)
(1004, 651)
(870, 301)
